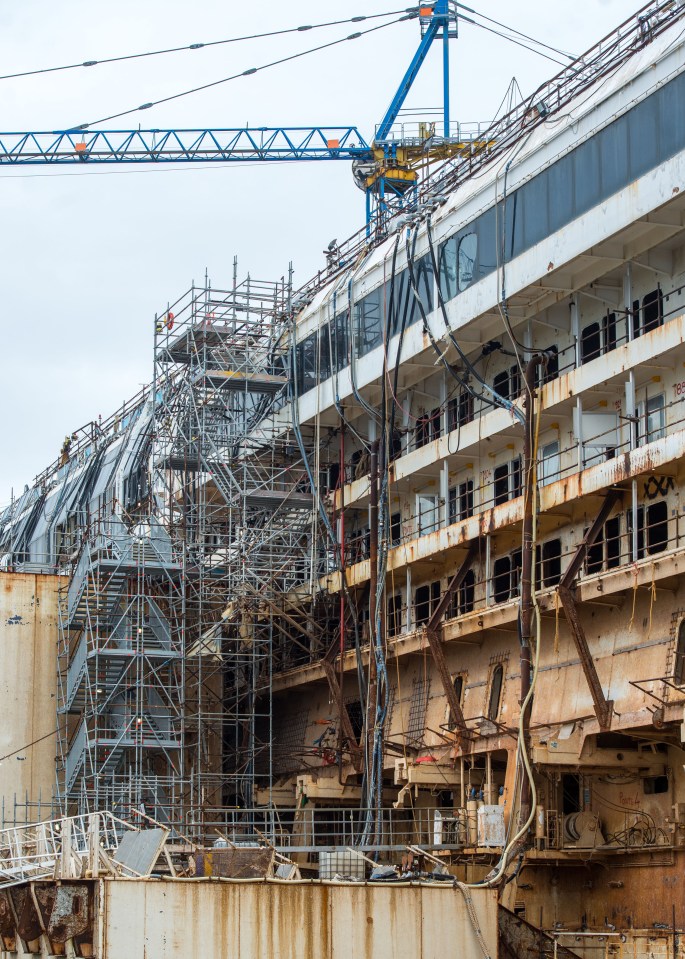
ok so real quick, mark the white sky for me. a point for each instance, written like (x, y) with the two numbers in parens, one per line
(88, 256)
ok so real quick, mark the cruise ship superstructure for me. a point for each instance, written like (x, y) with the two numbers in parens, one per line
(393, 562)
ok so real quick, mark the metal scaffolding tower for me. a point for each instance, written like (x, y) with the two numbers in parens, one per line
(232, 489)
(121, 670)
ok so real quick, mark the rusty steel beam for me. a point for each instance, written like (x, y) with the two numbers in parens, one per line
(345, 721)
(435, 641)
(603, 707)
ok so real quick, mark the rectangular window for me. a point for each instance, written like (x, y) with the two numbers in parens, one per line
(550, 466)
(460, 502)
(656, 527)
(652, 529)
(507, 481)
(460, 410)
(506, 580)
(325, 368)
(307, 363)
(551, 562)
(447, 268)
(369, 321)
(427, 514)
(550, 371)
(395, 529)
(655, 418)
(426, 599)
(651, 315)
(501, 580)
(508, 383)
(394, 614)
(339, 346)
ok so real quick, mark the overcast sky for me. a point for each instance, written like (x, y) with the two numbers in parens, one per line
(88, 256)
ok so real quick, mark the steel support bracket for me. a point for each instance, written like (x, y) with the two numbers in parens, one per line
(433, 635)
(604, 707)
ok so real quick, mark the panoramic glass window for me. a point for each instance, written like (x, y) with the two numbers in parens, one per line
(466, 259)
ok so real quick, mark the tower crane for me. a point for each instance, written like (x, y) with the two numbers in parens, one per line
(386, 168)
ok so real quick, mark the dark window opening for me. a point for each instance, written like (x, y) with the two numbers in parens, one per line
(356, 714)
(422, 605)
(550, 370)
(501, 483)
(495, 692)
(426, 600)
(501, 580)
(590, 343)
(508, 383)
(458, 684)
(570, 793)
(652, 310)
(460, 410)
(466, 593)
(507, 481)
(652, 313)
(460, 502)
(653, 785)
(657, 528)
(395, 529)
(612, 539)
(595, 556)
(551, 562)
(500, 384)
(394, 614)
(428, 427)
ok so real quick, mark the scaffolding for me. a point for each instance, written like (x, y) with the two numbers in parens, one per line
(233, 491)
(121, 669)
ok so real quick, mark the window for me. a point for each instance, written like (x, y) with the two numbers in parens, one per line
(426, 599)
(427, 514)
(549, 563)
(395, 529)
(506, 578)
(306, 359)
(508, 481)
(404, 310)
(679, 656)
(394, 614)
(339, 359)
(652, 418)
(605, 552)
(590, 343)
(460, 504)
(549, 464)
(428, 427)
(494, 701)
(657, 527)
(612, 158)
(460, 410)
(652, 529)
(369, 321)
(651, 315)
(458, 683)
(462, 601)
(468, 247)
(550, 370)
(466, 593)
(652, 785)
(508, 383)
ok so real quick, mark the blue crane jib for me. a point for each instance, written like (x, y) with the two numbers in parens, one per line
(183, 146)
